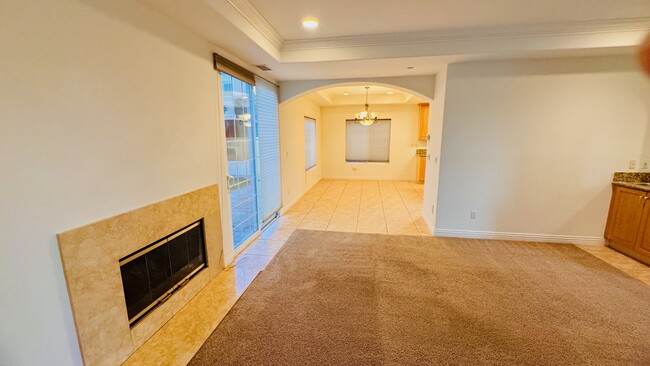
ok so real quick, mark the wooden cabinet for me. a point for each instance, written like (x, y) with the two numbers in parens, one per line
(628, 224)
(422, 168)
(643, 239)
(423, 121)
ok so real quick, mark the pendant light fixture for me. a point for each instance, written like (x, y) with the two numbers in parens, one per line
(366, 117)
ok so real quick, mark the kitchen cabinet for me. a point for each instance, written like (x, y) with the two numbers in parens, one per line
(423, 121)
(643, 240)
(421, 169)
(628, 224)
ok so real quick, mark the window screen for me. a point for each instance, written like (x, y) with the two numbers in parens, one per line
(367, 143)
(310, 143)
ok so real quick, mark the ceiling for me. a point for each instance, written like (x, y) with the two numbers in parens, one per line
(340, 18)
(380, 38)
(356, 95)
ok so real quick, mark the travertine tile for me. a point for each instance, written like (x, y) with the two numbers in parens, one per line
(343, 222)
(401, 227)
(319, 216)
(314, 224)
(288, 222)
(375, 227)
(619, 260)
(302, 206)
(90, 257)
(178, 340)
(298, 215)
(277, 233)
(265, 247)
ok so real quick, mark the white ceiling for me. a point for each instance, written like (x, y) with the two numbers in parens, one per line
(340, 18)
(381, 38)
(356, 95)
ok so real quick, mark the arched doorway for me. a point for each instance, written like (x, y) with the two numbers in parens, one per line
(421, 88)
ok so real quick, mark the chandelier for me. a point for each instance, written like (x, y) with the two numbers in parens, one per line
(366, 117)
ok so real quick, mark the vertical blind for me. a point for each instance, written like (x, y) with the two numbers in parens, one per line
(367, 143)
(269, 146)
(310, 143)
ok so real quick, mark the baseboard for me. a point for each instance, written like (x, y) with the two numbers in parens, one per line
(288, 206)
(544, 238)
(408, 179)
(228, 259)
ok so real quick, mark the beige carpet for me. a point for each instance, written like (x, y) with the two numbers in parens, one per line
(362, 299)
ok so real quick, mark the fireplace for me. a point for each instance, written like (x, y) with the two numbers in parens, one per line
(152, 274)
(92, 256)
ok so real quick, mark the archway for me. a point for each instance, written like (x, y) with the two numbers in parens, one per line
(425, 88)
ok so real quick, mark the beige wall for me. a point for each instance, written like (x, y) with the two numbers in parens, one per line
(106, 107)
(434, 146)
(403, 143)
(531, 145)
(295, 180)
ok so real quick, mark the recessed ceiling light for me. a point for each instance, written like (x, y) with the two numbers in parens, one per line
(390, 93)
(346, 93)
(310, 23)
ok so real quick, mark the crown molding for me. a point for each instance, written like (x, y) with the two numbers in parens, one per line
(257, 20)
(472, 34)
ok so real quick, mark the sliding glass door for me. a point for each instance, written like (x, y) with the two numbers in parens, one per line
(239, 110)
(269, 143)
(253, 151)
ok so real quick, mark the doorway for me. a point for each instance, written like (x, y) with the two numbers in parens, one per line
(243, 174)
(252, 154)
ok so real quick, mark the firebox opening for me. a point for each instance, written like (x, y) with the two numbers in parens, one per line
(152, 274)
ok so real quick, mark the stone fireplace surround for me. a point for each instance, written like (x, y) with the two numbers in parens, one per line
(90, 255)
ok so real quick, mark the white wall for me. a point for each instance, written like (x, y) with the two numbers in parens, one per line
(105, 107)
(403, 143)
(295, 180)
(434, 147)
(532, 145)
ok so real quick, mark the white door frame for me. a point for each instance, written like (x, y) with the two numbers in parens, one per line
(229, 252)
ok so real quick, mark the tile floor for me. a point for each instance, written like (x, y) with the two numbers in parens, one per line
(384, 207)
(363, 206)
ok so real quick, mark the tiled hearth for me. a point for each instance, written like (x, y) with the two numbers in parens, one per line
(91, 254)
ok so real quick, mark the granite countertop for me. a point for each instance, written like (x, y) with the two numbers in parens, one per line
(634, 180)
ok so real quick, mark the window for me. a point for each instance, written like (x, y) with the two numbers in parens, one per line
(367, 143)
(310, 143)
(269, 147)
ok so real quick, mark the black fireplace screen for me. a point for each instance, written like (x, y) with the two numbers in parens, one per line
(153, 273)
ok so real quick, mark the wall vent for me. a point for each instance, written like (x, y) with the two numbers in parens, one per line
(263, 67)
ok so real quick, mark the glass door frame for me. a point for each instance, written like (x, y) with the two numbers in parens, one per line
(229, 251)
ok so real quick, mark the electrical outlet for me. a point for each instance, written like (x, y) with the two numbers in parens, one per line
(472, 214)
(644, 164)
(631, 164)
